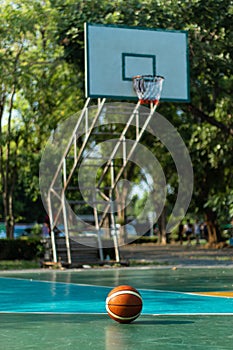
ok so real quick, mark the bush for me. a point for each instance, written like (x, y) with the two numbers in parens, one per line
(144, 239)
(21, 249)
(18, 264)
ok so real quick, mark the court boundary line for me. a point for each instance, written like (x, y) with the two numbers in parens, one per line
(105, 314)
(58, 282)
(198, 294)
(108, 287)
(146, 267)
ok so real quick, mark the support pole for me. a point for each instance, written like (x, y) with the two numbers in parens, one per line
(113, 221)
(98, 232)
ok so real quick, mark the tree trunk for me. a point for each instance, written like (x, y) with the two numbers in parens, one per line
(8, 174)
(8, 180)
(214, 235)
(9, 217)
(162, 228)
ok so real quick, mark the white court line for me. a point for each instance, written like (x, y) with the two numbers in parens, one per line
(111, 287)
(55, 282)
(105, 314)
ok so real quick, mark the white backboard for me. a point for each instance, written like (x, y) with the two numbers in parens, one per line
(114, 54)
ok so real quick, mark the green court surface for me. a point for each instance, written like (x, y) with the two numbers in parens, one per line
(66, 309)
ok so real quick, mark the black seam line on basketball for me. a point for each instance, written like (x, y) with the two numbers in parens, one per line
(122, 292)
(132, 305)
(124, 318)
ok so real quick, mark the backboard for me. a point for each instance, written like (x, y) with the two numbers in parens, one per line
(114, 54)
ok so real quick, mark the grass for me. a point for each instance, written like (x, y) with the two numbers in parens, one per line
(18, 264)
(142, 262)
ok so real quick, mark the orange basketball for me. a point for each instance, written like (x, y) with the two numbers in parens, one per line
(124, 304)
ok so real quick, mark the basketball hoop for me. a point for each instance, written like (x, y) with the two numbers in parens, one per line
(148, 88)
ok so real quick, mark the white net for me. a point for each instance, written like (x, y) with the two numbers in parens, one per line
(148, 87)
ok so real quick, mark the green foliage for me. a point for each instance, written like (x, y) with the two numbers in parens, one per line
(145, 239)
(20, 249)
(42, 83)
(18, 264)
(31, 104)
(36, 230)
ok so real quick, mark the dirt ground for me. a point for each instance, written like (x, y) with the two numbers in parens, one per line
(176, 255)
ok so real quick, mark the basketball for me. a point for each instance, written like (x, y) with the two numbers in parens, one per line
(124, 304)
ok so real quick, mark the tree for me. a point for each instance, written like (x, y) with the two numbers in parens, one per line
(209, 111)
(43, 49)
(11, 52)
(209, 27)
(30, 102)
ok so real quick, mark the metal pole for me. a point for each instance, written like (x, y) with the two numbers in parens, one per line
(98, 232)
(69, 260)
(124, 151)
(131, 151)
(113, 221)
(52, 228)
(119, 142)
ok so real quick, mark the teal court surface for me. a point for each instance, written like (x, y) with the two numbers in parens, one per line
(184, 308)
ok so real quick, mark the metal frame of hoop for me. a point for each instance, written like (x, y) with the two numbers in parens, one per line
(148, 88)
